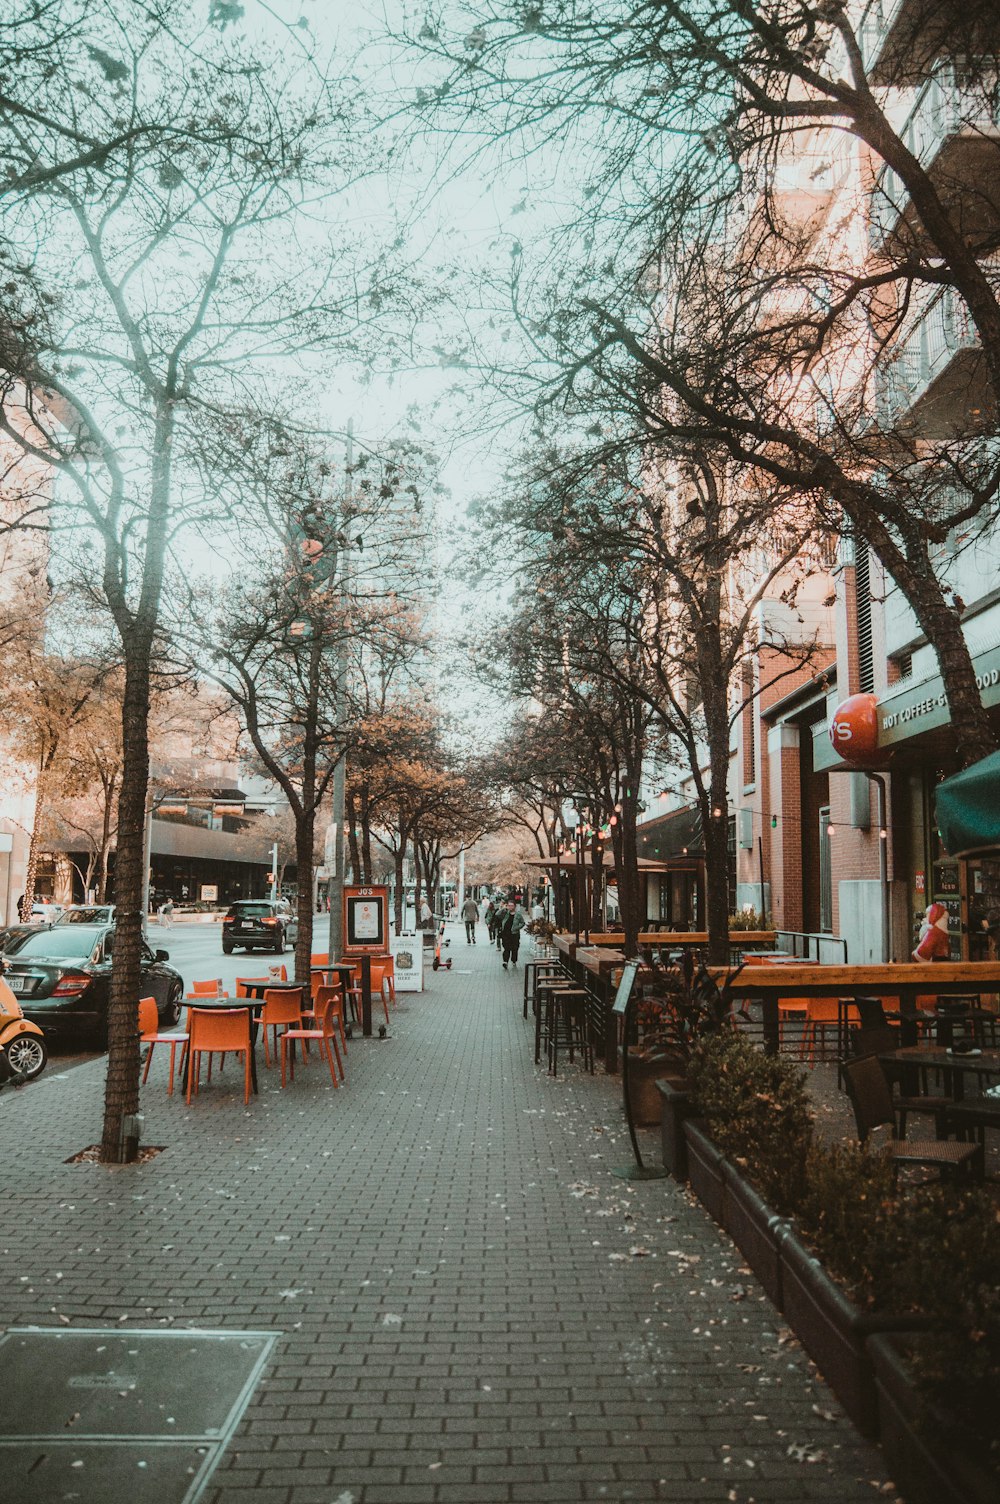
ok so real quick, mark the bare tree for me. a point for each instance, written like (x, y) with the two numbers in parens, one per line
(172, 300)
(783, 303)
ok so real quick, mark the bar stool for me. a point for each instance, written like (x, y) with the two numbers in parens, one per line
(532, 970)
(546, 987)
(569, 1019)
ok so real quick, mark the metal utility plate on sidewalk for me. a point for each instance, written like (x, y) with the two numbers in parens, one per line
(99, 1416)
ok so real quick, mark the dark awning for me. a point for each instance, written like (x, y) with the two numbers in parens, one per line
(675, 834)
(967, 806)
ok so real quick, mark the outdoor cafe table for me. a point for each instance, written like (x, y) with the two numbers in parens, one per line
(905, 981)
(954, 1067)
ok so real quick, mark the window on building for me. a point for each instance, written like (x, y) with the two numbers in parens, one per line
(863, 611)
(749, 726)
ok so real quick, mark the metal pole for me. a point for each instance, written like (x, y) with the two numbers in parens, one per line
(461, 880)
(147, 857)
(883, 864)
(274, 872)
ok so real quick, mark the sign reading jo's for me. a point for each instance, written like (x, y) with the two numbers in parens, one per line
(854, 729)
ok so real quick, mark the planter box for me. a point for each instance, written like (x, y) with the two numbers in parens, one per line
(675, 1109)
(756, 1230)
(924, 1465)
(644, 1074)
(834, 1331)
(705, 1168)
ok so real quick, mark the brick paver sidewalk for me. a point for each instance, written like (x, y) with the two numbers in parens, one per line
(472, 1307)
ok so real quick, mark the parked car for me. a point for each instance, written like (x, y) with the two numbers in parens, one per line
(62, 978)
(87, 913)
(259, 924)
(11, 933)
(42, 910)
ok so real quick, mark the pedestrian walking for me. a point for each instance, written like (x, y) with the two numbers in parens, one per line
(167, 913)
(512, 922)
(470, 913)
(491, 916)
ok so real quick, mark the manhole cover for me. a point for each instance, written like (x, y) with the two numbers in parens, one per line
(153, 1409)
(102, 1473)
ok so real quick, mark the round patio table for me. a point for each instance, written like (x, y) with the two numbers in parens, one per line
(227, 1004)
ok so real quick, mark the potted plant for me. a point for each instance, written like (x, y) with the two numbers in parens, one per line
(542, 931)
(681, 1005)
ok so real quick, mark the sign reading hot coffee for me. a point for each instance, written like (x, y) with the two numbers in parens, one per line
(909, 709)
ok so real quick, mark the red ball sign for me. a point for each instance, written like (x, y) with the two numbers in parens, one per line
(854, 729)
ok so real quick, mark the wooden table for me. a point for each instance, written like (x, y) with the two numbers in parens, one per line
(680, 939)
(904, 981)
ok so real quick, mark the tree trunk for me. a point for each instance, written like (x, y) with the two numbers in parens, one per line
(629, 880)
(305, 830)
(121, 1092)
(398, 896)
(367, 865)
(136, 630)
(595, 918)
(34, 845)
(716, 837)
(350, 817)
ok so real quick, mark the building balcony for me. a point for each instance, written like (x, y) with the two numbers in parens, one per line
(901, 39)
(955, 133)
(933, 381)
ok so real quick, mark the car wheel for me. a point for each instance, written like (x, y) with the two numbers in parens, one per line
(27, 1055)
(227, 947)
(172, 1011)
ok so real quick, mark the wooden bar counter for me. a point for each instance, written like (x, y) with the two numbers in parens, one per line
(905, 981)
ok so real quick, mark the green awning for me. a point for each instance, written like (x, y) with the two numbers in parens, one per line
(968, 809)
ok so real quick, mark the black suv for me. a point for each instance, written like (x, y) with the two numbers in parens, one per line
(259, 924)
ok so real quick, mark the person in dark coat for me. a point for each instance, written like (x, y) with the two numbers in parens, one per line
(512, 922)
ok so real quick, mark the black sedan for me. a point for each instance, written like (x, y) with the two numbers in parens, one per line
(62, 979)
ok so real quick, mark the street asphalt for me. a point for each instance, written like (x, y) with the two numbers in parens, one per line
(467, 1303)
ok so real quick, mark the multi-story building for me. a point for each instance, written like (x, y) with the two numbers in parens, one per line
(822, 844)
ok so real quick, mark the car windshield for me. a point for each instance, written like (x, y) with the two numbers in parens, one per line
(249, 910)
(91, 914)
(73, 943)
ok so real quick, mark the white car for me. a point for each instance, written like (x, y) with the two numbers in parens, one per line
(86, 913)
(49, 911)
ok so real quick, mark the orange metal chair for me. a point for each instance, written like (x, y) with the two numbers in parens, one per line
(211, 988)
(282, 1007)
(387, 967)
(380, 982)
(353, 992)
(320, 958)
(149, 1034)
(218, 1031)
(322, 997)
(822, 1013)
(278, 972)
(325, 1036)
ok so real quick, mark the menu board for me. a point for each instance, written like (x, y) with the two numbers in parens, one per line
(366, 913)
(947, 891)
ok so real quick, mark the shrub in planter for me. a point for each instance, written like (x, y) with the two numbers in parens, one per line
(755, 1108)
(848, 1191)
(930, 1254)
(940, 1255)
